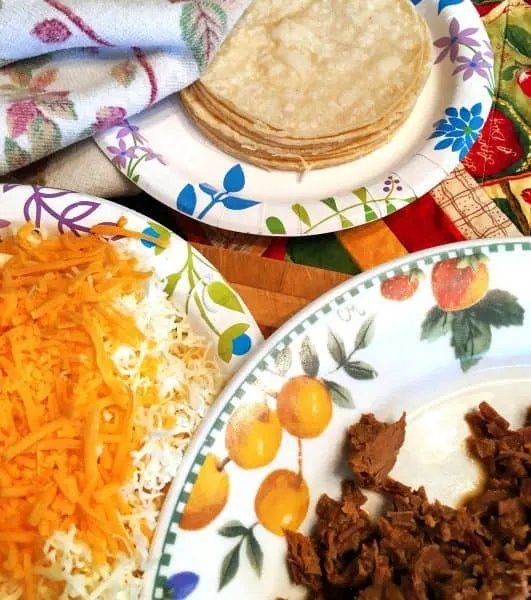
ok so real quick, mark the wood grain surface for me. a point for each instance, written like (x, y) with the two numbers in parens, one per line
(273, 290)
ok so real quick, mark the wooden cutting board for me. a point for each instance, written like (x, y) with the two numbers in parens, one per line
(273, 290)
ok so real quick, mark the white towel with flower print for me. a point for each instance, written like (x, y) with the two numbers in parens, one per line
(71, 68)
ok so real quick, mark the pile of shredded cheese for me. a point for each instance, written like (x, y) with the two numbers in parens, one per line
(102, 383)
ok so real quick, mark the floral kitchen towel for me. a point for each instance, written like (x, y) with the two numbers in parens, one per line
(73, 67)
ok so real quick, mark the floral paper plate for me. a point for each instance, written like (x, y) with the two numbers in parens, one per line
(163, 152)
(216, 310)
(434, 334)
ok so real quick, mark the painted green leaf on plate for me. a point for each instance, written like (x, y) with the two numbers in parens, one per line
(221, 294)
(365, 334)
(229, 567)
(390, 208)
(361, 193)
(359, 369)
(331, 203)
(302, 213)
(436, 324)
(275, 226)
(309, 358)
(283, 360)
(254, 553)
(345, 223)
(336, 347)
(470, 339)
(499, 309)
(226, 339)
(232, 529)
(370, 215)
(341, 395)
(172, 281)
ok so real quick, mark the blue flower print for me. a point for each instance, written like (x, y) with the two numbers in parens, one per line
(442, 3)
(180, 585)
(459, 130)
(241, 345)
(150, 231)
(233, 182)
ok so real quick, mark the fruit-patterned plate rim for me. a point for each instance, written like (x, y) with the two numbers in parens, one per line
(165, 155)
(173, 577)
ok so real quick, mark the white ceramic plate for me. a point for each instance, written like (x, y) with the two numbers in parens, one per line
(434, 334)
(164, 153)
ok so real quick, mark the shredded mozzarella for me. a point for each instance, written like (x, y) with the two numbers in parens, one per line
(186, 380)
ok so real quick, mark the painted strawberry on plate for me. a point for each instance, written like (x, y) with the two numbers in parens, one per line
(459, 283)
(402, 287)
(466, 309)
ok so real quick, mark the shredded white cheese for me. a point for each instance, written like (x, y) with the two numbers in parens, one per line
(187, 381)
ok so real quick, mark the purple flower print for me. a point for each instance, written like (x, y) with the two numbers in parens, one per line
(127, 129)
(488, 50)
(151, 155)
(392, 183)
(51, 31)
(121, 154)
(470, 65)
(456, 38)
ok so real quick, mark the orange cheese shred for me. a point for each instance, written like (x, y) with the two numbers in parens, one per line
(62, 464)
(117, 230)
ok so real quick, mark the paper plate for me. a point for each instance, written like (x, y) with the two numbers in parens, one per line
(433, 334)
(164, 153)
(221, 317)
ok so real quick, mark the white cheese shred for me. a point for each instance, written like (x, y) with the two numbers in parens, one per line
(187, 380)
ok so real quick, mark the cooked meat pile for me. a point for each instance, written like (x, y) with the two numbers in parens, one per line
(422, 550)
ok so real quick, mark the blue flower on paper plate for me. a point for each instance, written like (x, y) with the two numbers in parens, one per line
(157, 232)
(241, 345)
(442, 3)
(180, 585)
(459, 130)
(234, 342)
(150, 231)
(233, 182)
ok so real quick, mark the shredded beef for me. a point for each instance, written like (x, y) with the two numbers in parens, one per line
(374, 447)
(304, 564)
(422, 550)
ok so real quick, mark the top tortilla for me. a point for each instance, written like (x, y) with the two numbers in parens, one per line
(313, 68)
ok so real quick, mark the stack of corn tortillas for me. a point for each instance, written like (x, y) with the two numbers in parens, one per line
(307, 84)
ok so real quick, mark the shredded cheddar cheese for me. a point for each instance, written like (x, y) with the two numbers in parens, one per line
(102, 383)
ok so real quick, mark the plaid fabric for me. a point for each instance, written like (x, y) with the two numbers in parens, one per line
(470, 208)
(489, 195)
